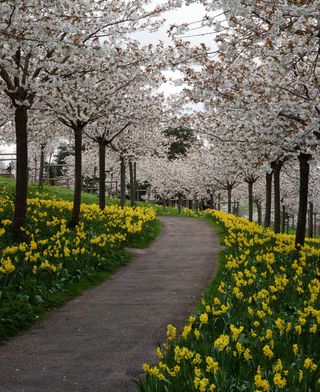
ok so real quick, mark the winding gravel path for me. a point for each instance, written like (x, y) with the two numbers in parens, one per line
(98, 341)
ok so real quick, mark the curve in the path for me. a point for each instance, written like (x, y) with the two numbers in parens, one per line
(98, 341)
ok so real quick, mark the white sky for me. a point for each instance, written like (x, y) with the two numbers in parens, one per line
(186, 14)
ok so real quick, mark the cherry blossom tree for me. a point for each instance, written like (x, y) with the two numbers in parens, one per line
(37, 41)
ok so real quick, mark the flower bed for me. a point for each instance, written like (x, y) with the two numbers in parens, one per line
(55, 256)
(259, 331)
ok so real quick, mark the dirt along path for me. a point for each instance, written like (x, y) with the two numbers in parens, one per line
(98, 341)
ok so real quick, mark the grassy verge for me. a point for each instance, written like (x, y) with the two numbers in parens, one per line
(33, 302)
(50, 192)
(146, 237)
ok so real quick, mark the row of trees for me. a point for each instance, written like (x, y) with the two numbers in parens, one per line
(258, 93)
(76, 64)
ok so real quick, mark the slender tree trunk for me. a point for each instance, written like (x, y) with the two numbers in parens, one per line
(250, 192)
(41, 170)
(110, 192)
(35, 169)
(179, 202)
(20, 210)
(310, 228)
(303, 199)
(135, 181)
(229, 189)
(259, 211)
(315, 225)
(219, 201)
(277, 204)
(211, 201)
(77, 177)
(283, 220)
(122, 181)
(267, 217)
(102, 175)
(131, 183)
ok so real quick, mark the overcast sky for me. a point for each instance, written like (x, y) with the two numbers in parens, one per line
(186, 14)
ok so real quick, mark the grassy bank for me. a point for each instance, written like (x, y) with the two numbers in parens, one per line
(257, 328)
(55, 263)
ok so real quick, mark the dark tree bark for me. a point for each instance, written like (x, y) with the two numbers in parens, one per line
(77, 176)
(122, 181)
(267, 217)
(102, 175)
(315, 224)
(179, 202)
(303, 199)
(276, 166)
(250, 194)
(131, 174)
(310, 228)
(135, 181)
(20, 211)
(283, 220)
(259, 211)
(211, 201)
(41, 170)
(35, 168)
(229, 190)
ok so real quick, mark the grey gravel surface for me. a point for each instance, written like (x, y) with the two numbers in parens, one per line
(98, 341)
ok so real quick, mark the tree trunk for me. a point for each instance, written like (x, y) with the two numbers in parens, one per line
(211, 201)
(179, 202)
(135, 181)
(35, 169)
(277, 204)
(315, 225)
(77, 177)
(303, 199)
(102, 175)
(229, 189)
(283, 221)
(250, 192)
(259, 211)
(122, 181)
(310, 229)
(131, 183)
(20, 210)
(111, 186)
(267, 217)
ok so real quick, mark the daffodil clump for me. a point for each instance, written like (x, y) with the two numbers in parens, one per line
(52, 245)
(259, 331)
(54, 254)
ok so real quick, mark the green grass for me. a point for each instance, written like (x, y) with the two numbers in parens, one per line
(22, 312)
(144, 239)
(218, 276)
(51, 192)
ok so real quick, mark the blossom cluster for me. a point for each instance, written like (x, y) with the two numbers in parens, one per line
(258, 330)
